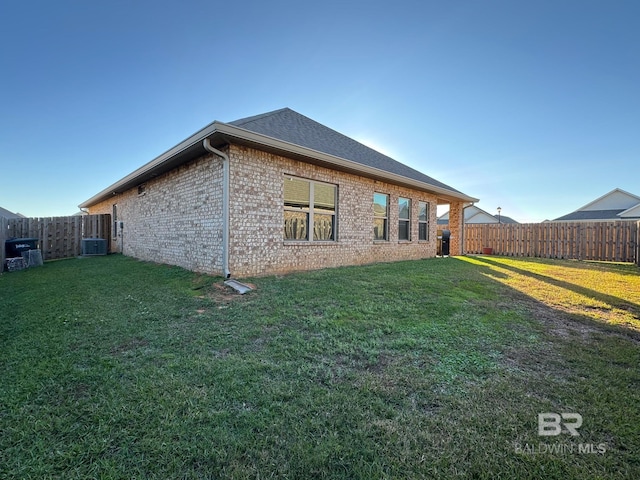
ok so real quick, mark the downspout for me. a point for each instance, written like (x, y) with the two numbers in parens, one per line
(206, 143)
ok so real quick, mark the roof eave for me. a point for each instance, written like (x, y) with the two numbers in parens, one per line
(629, 210)
(192, 148)
(158, 165)
(314, 156)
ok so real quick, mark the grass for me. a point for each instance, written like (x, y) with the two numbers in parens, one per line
(114, 368)
(605, 292)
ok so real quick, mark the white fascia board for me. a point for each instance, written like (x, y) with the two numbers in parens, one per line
(631, 212)
(599, 199)
(585, 207)
(156, 162)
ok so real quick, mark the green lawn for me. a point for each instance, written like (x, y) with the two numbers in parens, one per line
(114, 368)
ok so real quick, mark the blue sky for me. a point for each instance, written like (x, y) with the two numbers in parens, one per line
(530, 106)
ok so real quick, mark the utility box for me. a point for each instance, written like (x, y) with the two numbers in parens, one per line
(14, 247)
(94, 246)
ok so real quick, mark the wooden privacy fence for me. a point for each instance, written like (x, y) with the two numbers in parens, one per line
(603, 241)
(59, 237)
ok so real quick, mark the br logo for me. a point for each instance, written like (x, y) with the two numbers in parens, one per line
(550, 424)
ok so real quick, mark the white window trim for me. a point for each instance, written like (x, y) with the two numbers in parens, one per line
(386, 217)
(310, 234)
(408, 220)
(426, 222)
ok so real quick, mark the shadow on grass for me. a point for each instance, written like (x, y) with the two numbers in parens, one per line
(612, 300)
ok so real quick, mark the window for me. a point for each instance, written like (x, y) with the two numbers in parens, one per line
(404, 222)
(380, 216)
(423, 221)
(114, 218)
(308, 203)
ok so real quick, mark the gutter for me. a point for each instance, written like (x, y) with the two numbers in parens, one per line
(137, 176)
(206, 143)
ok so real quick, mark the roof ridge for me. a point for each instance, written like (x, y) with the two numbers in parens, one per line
(245, 120)
(305, 131)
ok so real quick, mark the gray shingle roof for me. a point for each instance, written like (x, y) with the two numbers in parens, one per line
(503, 219)
(284, 132)
(290, 126)
(591, 215)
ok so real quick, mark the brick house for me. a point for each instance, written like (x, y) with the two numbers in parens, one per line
(275, 193)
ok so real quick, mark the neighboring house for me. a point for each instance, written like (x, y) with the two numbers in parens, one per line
(474, 214)
(7, 214)
(615, 205)
(274, 193)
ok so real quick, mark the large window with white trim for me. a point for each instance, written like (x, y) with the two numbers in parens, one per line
(309, 210)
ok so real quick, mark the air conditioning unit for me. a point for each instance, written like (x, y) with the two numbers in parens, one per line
(94, 246)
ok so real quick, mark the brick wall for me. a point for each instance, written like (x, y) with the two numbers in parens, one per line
(456, 216)
(257, 193)
(178, 220)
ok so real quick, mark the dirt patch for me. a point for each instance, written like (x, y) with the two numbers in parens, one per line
(559, 323)
(569, 324)
(379, 365)
(221, 293)
(130, 344)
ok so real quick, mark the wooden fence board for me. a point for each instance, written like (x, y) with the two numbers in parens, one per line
(4, 226)
(59, 237)
(638, 244)
(603, 241)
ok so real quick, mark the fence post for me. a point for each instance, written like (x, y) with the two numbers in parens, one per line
(4, 225)
(638, 244)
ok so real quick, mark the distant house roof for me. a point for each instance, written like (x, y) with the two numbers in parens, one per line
(615, 205)
(7, 214)
(474, 214)
(286, 132)
(593, 215)
(633, 212)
